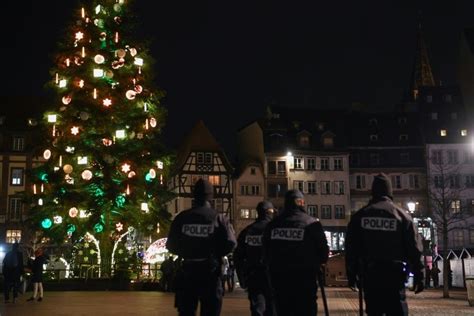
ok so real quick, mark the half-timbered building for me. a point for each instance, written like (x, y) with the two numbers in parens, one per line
(200, 156)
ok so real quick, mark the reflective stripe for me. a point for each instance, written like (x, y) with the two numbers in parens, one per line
(253, 240)
(293, 234)
(379, 223)
(197, 230)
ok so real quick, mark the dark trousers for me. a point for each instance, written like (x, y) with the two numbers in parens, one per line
(384, 291)
(8, 285)
(198, 283)
(295, 293)
(260, 295)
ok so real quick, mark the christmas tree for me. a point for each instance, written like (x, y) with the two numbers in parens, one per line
(102, 180)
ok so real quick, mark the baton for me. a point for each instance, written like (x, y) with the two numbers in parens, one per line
(323, 293)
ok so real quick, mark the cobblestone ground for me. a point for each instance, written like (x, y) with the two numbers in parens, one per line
(341, 302)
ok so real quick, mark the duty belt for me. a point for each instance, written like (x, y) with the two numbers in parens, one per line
(196, 260)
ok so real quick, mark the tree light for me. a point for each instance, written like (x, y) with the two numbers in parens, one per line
(107, 102)
(62, 83)
(99, 59)
(79, 36)
(82, 160)
(125, 168)
(98, 73)
(144, 207)
(73, 212)
(47, 154)
(57, 219)
(52, 118)
(46, 223)
(138, 61)
(75, 130)
(120, 134)
(86, 175)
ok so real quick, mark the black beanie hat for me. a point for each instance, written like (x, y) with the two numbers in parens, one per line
(381, 186)
(290, 197)
(263, 206)
(203, 190)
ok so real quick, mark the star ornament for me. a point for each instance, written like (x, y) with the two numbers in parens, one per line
(107, 102)
(125, 168)
(119, 227)
(79, 36)
(75, 130)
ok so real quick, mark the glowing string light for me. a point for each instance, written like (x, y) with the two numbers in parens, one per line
(83, 53)
(95, 94)
(83, 13)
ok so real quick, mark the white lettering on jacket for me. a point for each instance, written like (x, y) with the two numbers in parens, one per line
(197, 230)
(379, 223)
(253, 240)
(293, 234)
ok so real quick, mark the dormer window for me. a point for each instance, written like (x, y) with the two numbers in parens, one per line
(402, 120)
(374, 137)
(373, 121)
(403, 137)
(328, 142)
(303, 140)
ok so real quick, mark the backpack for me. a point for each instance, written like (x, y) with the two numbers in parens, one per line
(11, 260)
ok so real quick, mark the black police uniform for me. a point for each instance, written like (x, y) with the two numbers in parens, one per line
(381, 239)
(201, 237)
(251, 270)
(294, 248)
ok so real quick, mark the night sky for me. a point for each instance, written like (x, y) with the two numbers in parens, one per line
(223, 61)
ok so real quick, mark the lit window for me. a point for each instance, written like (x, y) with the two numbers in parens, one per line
(298, 163)
(464, 132)
(244, 213)
(303, 141)
(17, 176)
(214, 180)
(13, 236)
(328, 142)
(443, 132)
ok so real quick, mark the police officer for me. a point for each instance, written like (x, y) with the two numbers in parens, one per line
(295, 247)
(248, 257)
(201, 237)
(381, 239)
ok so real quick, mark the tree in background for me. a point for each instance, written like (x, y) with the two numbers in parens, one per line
(102, 180)
(445, 193)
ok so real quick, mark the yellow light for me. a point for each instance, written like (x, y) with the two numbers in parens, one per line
(99, 59)
(56, 78)
(138, 61)
(120, 134)
(152, 173)
(81, 84)
(75, 130)
(40, 202)
(116, 37)
(73, 212)
(83, 13)
(82, 160)
(34, 188)
(98, 73)
(83, 53)
(68, 62)
(95, 94)
(128, 190)
(131, 174)
(153, 122)
(52, 118)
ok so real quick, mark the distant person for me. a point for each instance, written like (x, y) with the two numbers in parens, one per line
(435, 271)
(295, 248)
(427, 276)
(251, 270)
(12, 271)
(381, 239)
(225, 272)
(231, 274)
(201, 237)
(167, 271)
(37, 275)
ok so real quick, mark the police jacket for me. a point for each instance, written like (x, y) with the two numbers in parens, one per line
(382, 233)
(248, 255)
(201, 233)
(295, 241)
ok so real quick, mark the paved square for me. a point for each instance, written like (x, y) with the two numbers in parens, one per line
(341, 301)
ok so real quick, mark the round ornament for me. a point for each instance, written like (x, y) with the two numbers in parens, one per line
(121, 53)
(138, 89)
(99, 59)
(84, 116)
(130, 94)
(86, 175)
(153, 122)
(133, 52)
(109, 74)
(103, 36)
(67, 99)
(117, 7)
(67, 169)
(73, 212)
(47, 154)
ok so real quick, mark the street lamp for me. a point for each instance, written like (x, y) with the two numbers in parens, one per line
(411, 207)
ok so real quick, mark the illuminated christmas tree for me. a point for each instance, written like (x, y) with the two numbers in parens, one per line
(103, 177)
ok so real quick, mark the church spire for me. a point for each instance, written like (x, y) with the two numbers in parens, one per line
(422, 75)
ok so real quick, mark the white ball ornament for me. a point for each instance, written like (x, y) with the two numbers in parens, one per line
(133, 52)
(99, 59)
(86, 175)
(130, 94)
(84, 116)
(67, 99)
(117, 7)
(73, 212)
(109, 74)
(67, 169)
